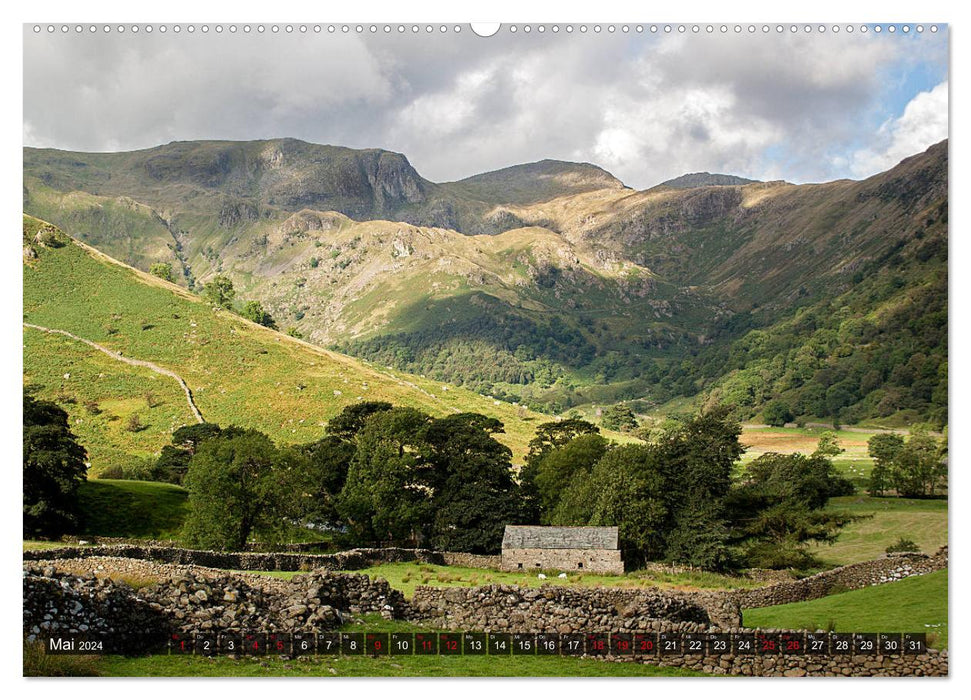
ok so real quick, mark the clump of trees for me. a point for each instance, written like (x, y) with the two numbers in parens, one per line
(390, 475)
(54, 468)
(914, 468)
(674, 498)
(619, 417)
(385, 474)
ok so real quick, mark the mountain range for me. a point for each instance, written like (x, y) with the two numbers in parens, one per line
(551, 283)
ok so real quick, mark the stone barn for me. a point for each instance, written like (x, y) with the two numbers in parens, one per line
(592, 549)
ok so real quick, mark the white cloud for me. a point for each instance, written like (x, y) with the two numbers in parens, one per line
(923, 123)
(645, 107)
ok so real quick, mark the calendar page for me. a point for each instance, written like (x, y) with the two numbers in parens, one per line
(591, 349)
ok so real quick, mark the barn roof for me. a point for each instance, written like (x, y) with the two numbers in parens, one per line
(538, 537)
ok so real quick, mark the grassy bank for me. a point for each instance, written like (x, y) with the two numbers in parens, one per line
(921, 520)
(917, 604)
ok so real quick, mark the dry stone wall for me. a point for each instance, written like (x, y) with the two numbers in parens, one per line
(893, 567)
(932, 663)
(197, 601)
(553, 608)
(348, 560)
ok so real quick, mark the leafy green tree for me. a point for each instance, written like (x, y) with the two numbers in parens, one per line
(780, 508)
(348, 423)
(777, 413)
(829, 445)
(561, 466)
(474, 493)
(919, 467)
(548, 437)
(883, 448)
(619, 417)
(162, 270)
(628, 489)
(189, 437)
(327, 464)
(700, 537)
(385, 497)
(239, 485)
(254, 311)
(173, 460)
(219, 291)
(172, 465)
(54, 467)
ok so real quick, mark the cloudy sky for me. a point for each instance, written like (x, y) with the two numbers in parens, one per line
(795, 106)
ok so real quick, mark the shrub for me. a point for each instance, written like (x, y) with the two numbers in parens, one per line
(134, 424)
(777, 413)
(162, 270)
(903, 545)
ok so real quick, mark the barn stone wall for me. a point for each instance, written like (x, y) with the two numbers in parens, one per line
(598, 561)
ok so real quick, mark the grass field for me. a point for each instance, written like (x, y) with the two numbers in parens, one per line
(137, 509)
(916, 604)
(853, 463)
(920, 520)
(406, 576)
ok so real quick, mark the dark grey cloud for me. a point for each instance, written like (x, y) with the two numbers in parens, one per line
(801, 107)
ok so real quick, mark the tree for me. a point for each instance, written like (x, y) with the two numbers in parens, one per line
(777, 413)
(346, 424)
(189, 437)
(171, 465)
(219, 291)
(173, 460)
(619, 417)
(54, 467)
(239, 484)
(561, 466)
(385, 497)
(162, 270)
(548, 437)
(919, 467)
(883, 448)
(780, 508)
(474, 495)
(627, 490)
(327, 464)
(254, 311)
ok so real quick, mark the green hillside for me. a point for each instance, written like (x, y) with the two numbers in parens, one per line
(916, 604)
(550, 283)
(239, 373)
(139, 509)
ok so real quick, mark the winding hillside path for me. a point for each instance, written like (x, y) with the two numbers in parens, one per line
(130, 361)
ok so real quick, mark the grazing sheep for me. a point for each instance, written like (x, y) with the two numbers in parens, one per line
(540, 575)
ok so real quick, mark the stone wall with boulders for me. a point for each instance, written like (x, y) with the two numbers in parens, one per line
(349, 560)
(199, 601)
(931, 663)
(192, 600)
(554, 608)
(892, 567)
